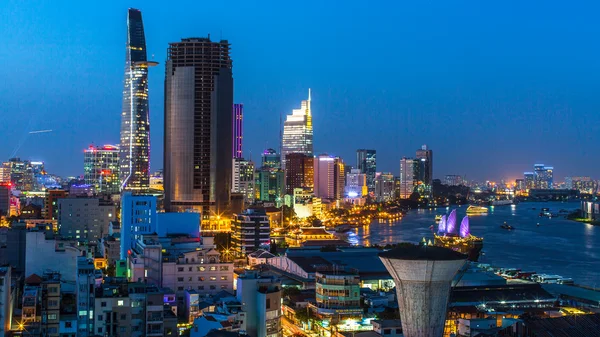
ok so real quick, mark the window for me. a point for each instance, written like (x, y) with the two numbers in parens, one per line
(190, 269)
(224, 268)
(213, 268)
(180, 288)
(200, 278)
(180, 269)
(268, 304)
(224, 278)
(103, 304)
(123, 317)
(213, 287)
(387, 331)
(200, 287)
(201, 268)
(99, 330)
(180, 279)
(51, 316)
(123, 329)
(212, 278)
(99, 317)
(68, 324)
(120, 303)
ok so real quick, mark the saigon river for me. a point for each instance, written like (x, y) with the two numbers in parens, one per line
(558, 246)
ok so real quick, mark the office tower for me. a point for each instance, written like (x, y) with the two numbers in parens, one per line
(356, 184)
(21, 174)
(5, 172)
(298, 132)
(529, 178)
(135, 121)
(198, 120)
(366, 162)
(520, 184)
(270, 184)
(250, 230)
(101, 168)
(85, 219)
(543, 176)
(5, 196)
(409, 169)
(582, 184)
(299, 172)
(51, 198)
(453, 180)
(423, 275)
(329, 178)
(261, 303)
(425, 155)
(384, 187)
(243, 179)
(138, 217)
(271, 159)
(238, 129)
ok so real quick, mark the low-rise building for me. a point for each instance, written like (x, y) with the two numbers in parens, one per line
(85, 219)
(250, 231)
(261, 302)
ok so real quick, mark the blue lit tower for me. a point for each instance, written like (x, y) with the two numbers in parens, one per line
(134, 153)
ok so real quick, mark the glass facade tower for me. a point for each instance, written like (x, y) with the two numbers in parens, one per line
(101, 168)
(135, 123)
(298, 132)
(366, 162)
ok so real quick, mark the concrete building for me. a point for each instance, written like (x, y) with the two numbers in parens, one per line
(243, 179)
(138, 217)
(85, 219)
(366, 162)
(453, 180)
(86, 281)
(329, 177)
(356, 184)
(250, 231)
(261, 301)
(270, 184)
(7, 298)
(198, 126)
(298, 132)
(337, 294)
(423, 275)
(51, 198)
(384, 187)
(305, 203)
(42, 254)
(101, 168)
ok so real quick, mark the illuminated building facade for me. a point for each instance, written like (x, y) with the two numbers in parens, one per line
(238, 130)
(366, 162)
(198, 126)
(384, 187)
(582, 184)
(250, 230)
(425, 171)
(299, 172)
(271, 159)
(329, 177)
(356, 184)
(409, 169)
(529, 178)
(453, 180)
(337, 294)
(544, 176)
(101, 168)
(135, 123)
(270, 184)
(298, 132)
(243, 179)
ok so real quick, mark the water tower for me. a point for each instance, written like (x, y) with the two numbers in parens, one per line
(423, 275)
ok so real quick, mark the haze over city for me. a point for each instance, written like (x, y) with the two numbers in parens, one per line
(491, 89)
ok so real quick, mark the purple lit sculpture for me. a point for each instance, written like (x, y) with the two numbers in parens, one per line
(451, 222)
(464, 227)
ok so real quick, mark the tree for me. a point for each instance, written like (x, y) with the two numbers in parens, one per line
(314, 221)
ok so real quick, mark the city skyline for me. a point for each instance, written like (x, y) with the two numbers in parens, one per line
(507, 124)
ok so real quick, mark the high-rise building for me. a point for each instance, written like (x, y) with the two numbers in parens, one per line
(544, 176)
(198, 126)
(453, 180)
(423, 275)
(356, 184)
(85, 218)
(409, 169)
(425, 155)
(529, 178)
(582, 184)
(329, 177)
(384, 187)
(299, 172)
(51, 198)
(238, 130)
(138, 217)
(298, 132)
(243, 179)
(261, 304)
(101, 168)
(250, 230)
(135, 121)
(5, 172)
(366, 162)
(5, 196)
(271, 159)
(270, 184)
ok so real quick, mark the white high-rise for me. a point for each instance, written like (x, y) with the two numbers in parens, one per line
(298, 132)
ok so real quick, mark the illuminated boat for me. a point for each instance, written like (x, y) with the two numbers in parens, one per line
(476, 210)
(463, 241)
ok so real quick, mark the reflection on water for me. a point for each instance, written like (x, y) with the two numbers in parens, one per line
(556, 246)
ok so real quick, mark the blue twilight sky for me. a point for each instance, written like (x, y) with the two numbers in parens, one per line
(491, 87)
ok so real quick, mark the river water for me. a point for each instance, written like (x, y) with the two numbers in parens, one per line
(558, 246)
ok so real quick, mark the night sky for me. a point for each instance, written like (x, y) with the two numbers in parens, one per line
(492, 88)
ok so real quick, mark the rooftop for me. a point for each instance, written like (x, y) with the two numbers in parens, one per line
(568, 326)
(423, 252)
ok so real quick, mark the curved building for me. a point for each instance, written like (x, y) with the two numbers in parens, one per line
(423, 275)
(134, 156)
